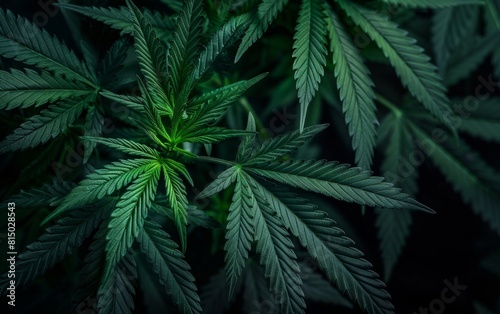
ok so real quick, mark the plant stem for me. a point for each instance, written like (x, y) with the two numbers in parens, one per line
(216, 160)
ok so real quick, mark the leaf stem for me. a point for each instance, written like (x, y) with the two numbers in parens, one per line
(216, 160)
(386, 103)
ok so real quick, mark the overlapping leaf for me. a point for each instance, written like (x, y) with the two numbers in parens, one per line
(24, 41)
(168, 263)
(266, 13)
(127, 218)
(469, 175)
(47, 125)
(25, 89)
(414, 68)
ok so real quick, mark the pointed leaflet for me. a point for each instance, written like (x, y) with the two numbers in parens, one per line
(46, 195)
(90, 273)
(450, 27)
(214, 294)
(168, 263)
(393, 227)
(196, 217)
(222, 181)
(209, 108)
(47, 125)
(116, 295)
(57, 242)
(239, 231)
(18, 89)
(94, 121)
(126, 146)
(277, 147)
(469, 175)
(309, 52)
(266, 13)
(121, 18)
(151, 58)
(276, 254)
(25, 42)
(469, 56)
(128, 216)
(211, 135)
(182, 55)
(318, 289)
(256, 294)
(433, 3)
(337, 180)
(103, 182)
(356, 91)
(224, 37)
(177, 198)
(484, 121)
(342, 264)
(414, 68)
(113, 61)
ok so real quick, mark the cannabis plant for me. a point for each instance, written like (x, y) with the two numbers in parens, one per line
(158, 157)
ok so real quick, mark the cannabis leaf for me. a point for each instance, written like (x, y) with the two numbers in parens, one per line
(356, 91)
(173, 272)
(476, 181)
(25, 89)
(411, 64)
(41, 128)
(394, 226)
(309, 52)
(25, 42)
(256, 201)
